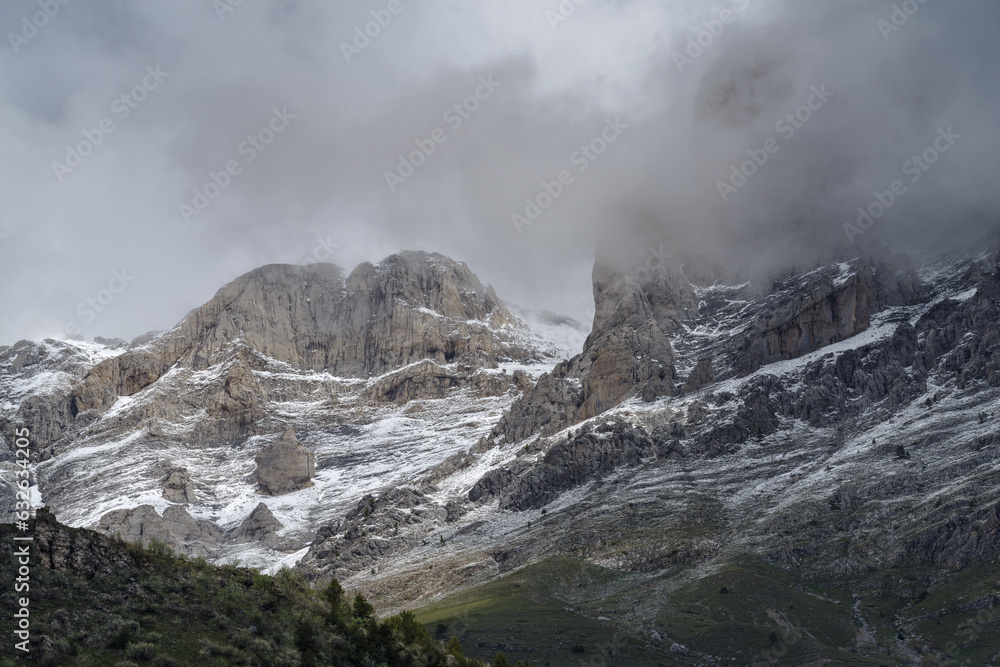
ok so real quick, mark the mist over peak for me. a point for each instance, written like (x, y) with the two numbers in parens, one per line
(755, 133)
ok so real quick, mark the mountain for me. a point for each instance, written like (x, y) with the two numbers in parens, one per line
(794, 464)
(377, 376)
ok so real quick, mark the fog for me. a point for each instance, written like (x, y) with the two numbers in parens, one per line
(155, 151)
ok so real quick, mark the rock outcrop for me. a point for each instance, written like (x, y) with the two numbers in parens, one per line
(375, 528)
(175, 528)
(259, 526)
(285, 466)
(627, 354)
(568, 464)
(177, 486)
(812, 311)
(36, 379)
(60, 547)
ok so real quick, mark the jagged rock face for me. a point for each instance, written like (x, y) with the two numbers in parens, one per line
(413, 306)
(429, 380)
(818, 309)
(425, 379)
(285, 466)
(373, 529)
(791, 461)
(821, 314)
(626, 298)
(62, 548)
(627, 354)
(209, 395)
(175, 528)
(33, 377)
(259, 526)
(625, 362)
(239, 399)
(571, 463)
(701, 376)
(945, 335)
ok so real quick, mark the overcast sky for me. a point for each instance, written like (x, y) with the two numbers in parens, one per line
(184, 85)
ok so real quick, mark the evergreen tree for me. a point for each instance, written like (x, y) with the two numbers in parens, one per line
(362, 609)
(454, 647)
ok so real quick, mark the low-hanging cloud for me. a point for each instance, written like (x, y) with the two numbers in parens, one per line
(687, 117)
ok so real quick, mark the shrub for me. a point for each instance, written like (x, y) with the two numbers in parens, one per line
(159, 548)
(140, 651)
(122, 633)
(210, 649)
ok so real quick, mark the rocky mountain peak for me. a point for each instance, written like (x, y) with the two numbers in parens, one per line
(411, 306)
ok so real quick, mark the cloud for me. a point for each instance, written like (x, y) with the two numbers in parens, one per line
(322, 177)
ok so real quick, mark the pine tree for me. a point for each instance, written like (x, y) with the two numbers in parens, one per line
(362, 609)
(454, 647)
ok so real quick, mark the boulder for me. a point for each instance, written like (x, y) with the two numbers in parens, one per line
(259, 526)
(177, 486)
(285, 466)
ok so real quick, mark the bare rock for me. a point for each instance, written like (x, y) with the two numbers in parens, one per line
(75, 549)
(175, 528)
(177, 486)
(285, 466)
(701, 376)
(423, 380)
(412, 306)
(238, 402)
(259, 526)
